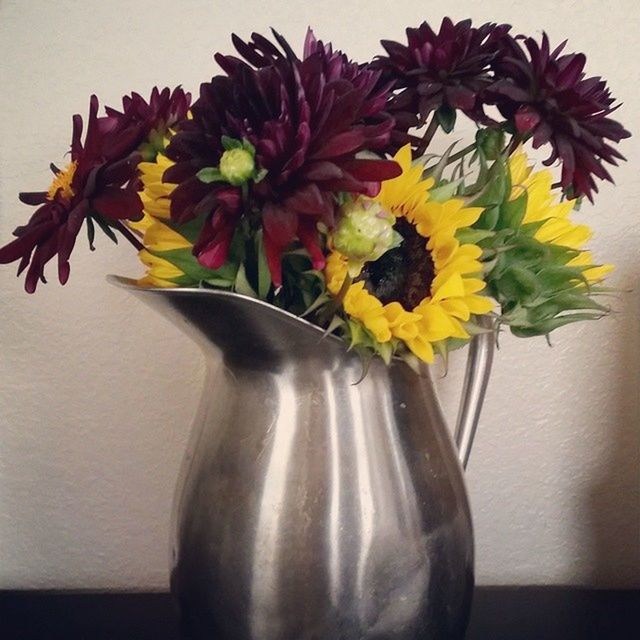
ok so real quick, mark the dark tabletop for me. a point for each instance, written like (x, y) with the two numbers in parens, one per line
(499, 613)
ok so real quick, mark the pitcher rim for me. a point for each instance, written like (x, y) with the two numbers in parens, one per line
(130, 284)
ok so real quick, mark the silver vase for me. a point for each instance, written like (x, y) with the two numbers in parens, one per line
(315, 502)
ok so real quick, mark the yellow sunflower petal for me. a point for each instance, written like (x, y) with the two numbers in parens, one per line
(421, 348)
(159, 267)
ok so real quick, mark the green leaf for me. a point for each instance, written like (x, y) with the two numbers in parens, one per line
(512, 213)
(189, 230)
(497, 187)
(261, 174)
(445, 191)
(544, 328)
(230, 143)
(242, 284)
(264, 275)
(531, 228)
(385, 351)
(446, 117)
(473, 236)
(219, 282)
(519, 283)
(567, 301)
(209, 174)
(488, 218)
(247, 146)
(490, 141)
(187, 262)
(555, 278)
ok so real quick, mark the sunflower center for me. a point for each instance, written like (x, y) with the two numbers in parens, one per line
(403, 274)
(62, 183)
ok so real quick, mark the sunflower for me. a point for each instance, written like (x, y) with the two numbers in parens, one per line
(422, 292)
(157, 236)
(544, 207)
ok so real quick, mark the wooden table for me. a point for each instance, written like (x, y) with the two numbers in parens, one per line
(499, 613)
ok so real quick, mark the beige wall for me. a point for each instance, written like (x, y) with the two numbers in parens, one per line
(96, 394)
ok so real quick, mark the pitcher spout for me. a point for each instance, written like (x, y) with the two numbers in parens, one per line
(248, 332)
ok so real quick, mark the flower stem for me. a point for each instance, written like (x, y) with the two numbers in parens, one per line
(514, 143)
(460, 154)
(428, 136)
(329, 310)
(122, 228)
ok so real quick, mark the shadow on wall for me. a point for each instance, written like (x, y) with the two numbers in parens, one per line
(612, 500)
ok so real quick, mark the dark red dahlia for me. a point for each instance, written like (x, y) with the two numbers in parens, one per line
(546, 95)
(440, 72)
(306, 119)
(97, 185)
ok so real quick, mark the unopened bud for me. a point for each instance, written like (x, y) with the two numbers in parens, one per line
(491, 141)
(237, 166)
(364, 233)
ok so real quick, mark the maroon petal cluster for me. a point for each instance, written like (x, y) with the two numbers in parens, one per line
(307, 119)
(546, 96)
(100, 182)
(445, 70)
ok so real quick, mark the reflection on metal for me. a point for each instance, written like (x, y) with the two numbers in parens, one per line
(476, 379)
(309, 507)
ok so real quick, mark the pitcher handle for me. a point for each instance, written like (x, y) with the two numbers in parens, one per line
(476, 379)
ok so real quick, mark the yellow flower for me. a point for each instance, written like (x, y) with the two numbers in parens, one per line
(543, 205)
(157, 236)
(448, 298)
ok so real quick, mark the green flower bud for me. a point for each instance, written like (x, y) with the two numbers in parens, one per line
(365, 232)
(491, 141)
(237, 166)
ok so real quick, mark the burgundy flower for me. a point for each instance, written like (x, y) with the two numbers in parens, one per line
(546, 95)
(97, 185)
(307, 119)
(440, 72)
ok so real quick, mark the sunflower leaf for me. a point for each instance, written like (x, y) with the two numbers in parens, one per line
(488, 218)
(519, 283)
(496, 188)
(445, 191)
(546, 327)
(187, 262)
(472, 236)
(512, 213)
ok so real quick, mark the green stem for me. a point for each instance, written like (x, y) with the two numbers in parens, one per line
(126, 232)
(428, 136)
(460, 154)
(328, 312)
(517, 140)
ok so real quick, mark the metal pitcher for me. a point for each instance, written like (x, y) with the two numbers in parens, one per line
(315, 503)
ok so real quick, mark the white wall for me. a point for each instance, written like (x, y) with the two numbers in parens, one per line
(97, 394)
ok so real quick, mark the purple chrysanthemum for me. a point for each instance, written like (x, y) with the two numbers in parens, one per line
(307, 120)
(98, 183)
(546, 95)
(439, 72)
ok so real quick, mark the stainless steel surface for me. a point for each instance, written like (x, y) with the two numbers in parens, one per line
(474, 388)
(311, 507)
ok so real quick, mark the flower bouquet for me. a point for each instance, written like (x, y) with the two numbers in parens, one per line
(320, 193)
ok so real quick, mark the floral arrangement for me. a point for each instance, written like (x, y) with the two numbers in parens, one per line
(311, 182)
